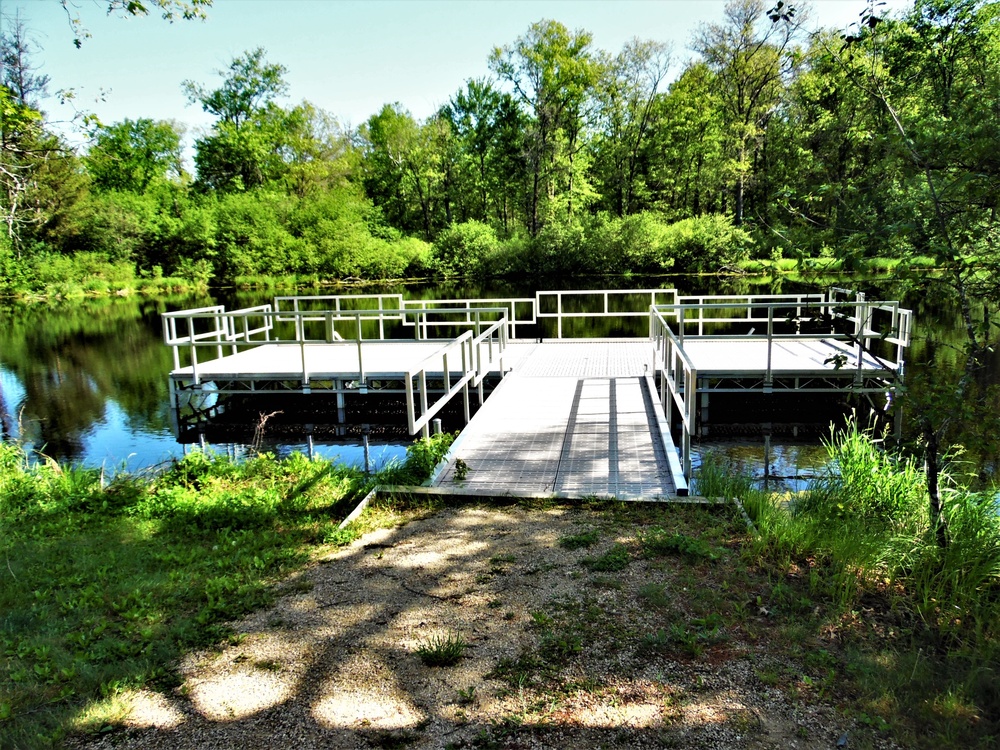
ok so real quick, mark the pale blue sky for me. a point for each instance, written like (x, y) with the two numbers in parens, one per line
(345, 56)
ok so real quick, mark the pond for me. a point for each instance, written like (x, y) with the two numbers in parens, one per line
(87, 383)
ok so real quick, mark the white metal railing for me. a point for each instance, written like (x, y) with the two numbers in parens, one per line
(858, 323)
(370, 303)
(472, 371)
(232, 328)
(740, 306)
(604, 296)
(473, 307)
(214, 327)
(521, 311)
(678, 381)
(471, 355)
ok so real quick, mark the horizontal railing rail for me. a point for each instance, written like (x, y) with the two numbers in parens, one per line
(250, 327)
(522, 312)
(473, 306)
(798, 309)
(823, 317)
(473, 371)
(445, 359)
(604, 297)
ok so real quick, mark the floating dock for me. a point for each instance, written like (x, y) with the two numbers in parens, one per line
(570, 417)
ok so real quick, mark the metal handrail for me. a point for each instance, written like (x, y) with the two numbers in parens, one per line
(678, 380)
(225, 329)
(470, 305)
(901, 318)
(605, 294)
(898, 332)
(474, 370)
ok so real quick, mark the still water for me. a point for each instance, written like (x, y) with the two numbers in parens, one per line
(87, 383)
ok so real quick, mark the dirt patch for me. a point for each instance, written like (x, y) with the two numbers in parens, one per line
(584, 627)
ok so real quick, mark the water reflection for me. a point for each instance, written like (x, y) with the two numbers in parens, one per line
(777, 465)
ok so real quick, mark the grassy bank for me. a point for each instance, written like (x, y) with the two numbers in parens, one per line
(106, 584)
(917, 625)
(833, 265)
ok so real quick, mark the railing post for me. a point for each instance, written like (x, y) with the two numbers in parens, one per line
(770, 341)
(466, 360)
(690, 423)
(423, 400)
(410, 407)
(217, 319)
(361, 362)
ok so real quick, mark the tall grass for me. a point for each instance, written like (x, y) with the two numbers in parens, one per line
(863, 533)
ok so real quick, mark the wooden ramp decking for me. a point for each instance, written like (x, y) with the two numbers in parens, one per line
(572, 419)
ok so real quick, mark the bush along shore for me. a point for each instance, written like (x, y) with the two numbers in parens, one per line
(108, 583)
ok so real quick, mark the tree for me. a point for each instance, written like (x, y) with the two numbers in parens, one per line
(626, 93)
(552, 72)
(935, 75)
(686, 145)
(251, 84)
(248, 145)
(20, 74)
(402, 168)
(750, 55)
(129, 155)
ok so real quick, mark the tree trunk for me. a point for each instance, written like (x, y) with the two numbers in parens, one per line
(932, 471)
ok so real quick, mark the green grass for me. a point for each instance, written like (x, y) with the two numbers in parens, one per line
(616, 558)
(442, 650)
(106, 584)
(103, 585)
(582, 540)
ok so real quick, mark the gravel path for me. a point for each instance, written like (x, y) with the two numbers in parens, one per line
(334, 664)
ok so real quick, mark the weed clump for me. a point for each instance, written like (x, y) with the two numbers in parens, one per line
(442, 650)
(616, 558)
(657, 542)
(582, 540)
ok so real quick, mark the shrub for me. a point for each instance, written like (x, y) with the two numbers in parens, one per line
(704, 243)
(466, 249)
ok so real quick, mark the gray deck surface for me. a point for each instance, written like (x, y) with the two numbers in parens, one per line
(573, 420)
(323, 361)
(787, 355)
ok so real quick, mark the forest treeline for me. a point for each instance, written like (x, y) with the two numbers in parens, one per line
(866, 145)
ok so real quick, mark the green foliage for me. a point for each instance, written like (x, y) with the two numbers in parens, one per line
(616, 558)
(864, 482)
(582, 540)
(703, 243)
(108, 583)
(442, 650)
(658, 541)
(422, 457)
(466, 249)
(128, 156)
